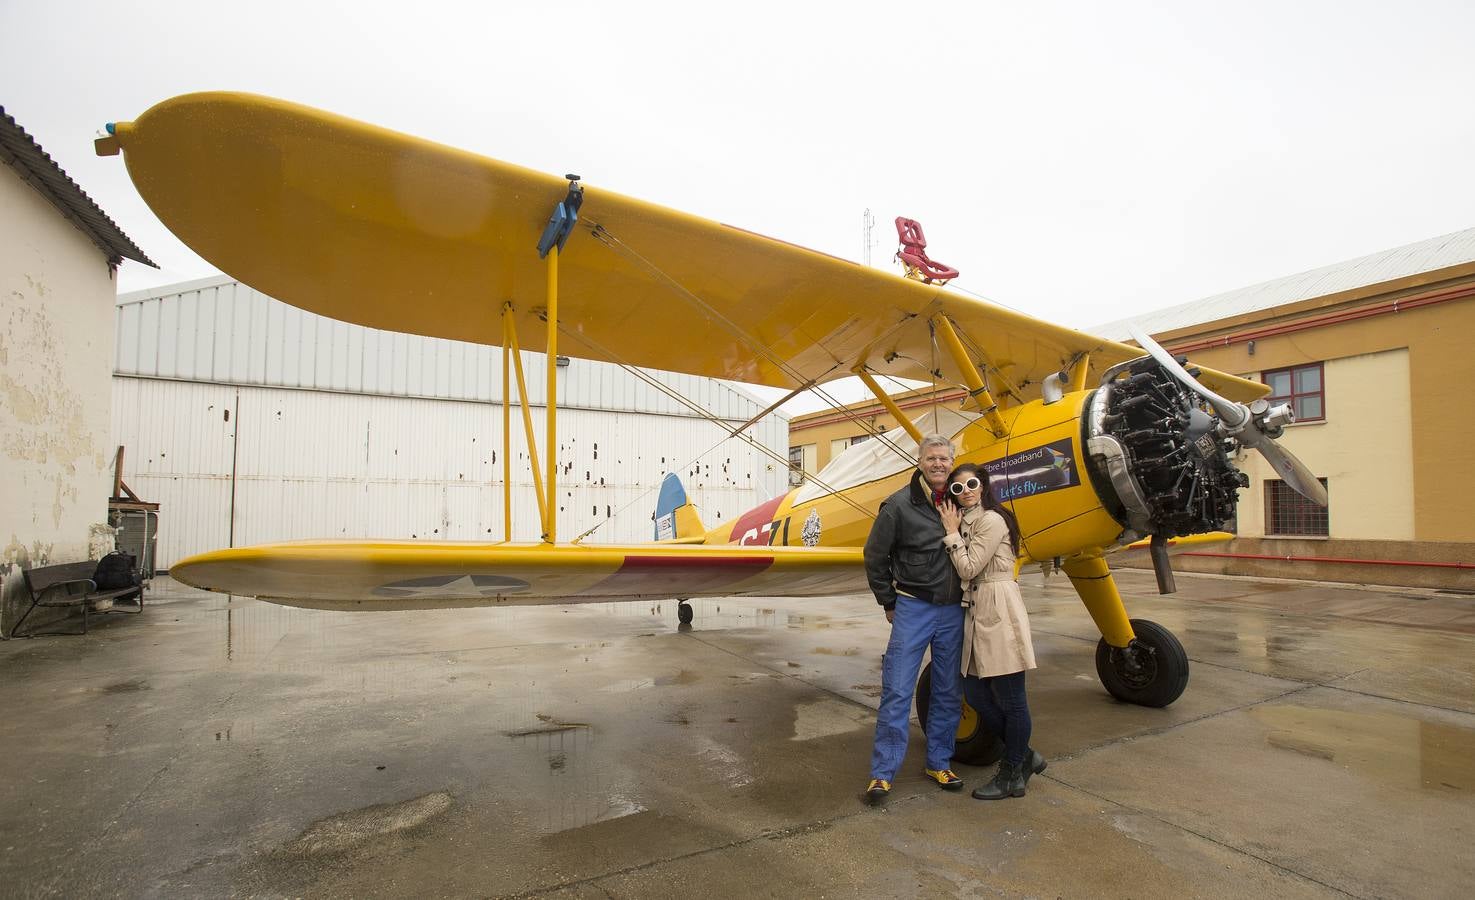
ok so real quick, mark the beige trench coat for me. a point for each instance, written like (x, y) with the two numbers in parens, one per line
(996, 639)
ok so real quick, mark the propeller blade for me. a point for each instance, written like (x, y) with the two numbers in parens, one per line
(1290, 469)
(1233, 414)
(1237, 420)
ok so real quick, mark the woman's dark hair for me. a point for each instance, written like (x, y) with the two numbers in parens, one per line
(989, 501)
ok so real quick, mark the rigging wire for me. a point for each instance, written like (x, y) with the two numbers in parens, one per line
(957, 287)
(990, 369)
(703, 413)
(935, 371)
(604, 236)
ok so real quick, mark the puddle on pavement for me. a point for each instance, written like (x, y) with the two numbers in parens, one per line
(250, 631)
(815, 622)
(713, 613)
(720, 763)
(574, 788)
(1267, 643)
(1398, 748)
(827, 716)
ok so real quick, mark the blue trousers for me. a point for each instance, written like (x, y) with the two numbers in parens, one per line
(1003, 710)
(918, 625)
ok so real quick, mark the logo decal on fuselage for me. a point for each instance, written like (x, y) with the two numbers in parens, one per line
(1038, 470)
(810, 534)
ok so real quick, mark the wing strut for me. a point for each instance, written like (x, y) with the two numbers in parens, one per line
(506, 430)
(886, 401)
(978, 393)
(555, 234)
(550, 512)
(509, 336)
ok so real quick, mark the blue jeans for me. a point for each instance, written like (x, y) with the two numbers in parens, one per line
(1003, 710)
(919, 624)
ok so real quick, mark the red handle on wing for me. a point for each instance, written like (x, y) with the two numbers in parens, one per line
(913, 252)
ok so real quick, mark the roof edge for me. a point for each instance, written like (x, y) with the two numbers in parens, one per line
(20, 151)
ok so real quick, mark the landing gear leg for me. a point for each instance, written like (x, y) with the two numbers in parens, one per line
(1137, 661)
(684, 612)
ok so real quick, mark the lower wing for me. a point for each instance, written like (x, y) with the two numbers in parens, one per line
(399, 575)
(1185, 543)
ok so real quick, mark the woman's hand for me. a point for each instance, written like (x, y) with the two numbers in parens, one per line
(951, 517)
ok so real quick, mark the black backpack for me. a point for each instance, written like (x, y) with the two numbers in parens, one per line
(115, 571)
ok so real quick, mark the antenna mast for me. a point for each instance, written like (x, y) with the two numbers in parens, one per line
(867, 225)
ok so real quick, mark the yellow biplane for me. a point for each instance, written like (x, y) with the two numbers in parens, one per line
(1095, 444)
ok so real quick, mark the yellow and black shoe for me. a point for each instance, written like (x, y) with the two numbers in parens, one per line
(877, 791)
(946, 779)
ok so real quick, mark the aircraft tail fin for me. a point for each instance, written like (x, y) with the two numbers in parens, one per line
(676, 519)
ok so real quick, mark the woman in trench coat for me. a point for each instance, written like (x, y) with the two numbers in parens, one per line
(982, 537)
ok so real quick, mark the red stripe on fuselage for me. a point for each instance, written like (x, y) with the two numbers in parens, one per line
(751, 528)
(687, 576)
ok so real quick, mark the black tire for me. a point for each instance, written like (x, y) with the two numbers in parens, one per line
(1164, 670)
(684, 612)
(976, 745)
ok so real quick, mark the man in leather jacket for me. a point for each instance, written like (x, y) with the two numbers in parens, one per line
(914, 581)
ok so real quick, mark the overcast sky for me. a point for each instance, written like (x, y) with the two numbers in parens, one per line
(1079, 161)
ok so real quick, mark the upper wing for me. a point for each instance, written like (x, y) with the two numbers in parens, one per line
(370, 226)
(390, 575)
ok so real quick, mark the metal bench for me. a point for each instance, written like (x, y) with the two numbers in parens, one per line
(71, 585)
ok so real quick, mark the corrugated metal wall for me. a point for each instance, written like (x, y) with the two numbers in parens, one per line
(250, 422)
(223, 331)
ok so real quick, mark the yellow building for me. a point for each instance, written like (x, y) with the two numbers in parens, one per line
(1375, 357)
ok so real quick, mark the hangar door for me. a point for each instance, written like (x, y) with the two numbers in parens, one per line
(234, 465)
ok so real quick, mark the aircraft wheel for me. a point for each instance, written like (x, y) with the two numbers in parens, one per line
(1153, 671)
(684, 612)
(976, 745)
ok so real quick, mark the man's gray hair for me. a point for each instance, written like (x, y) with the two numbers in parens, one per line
(935, 440)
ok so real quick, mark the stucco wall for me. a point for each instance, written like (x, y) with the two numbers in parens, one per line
(56, 344)
(1367, 460)
(1440, 370)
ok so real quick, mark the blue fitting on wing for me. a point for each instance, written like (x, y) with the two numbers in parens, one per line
(561, 222)
(554, 232)
(112, 127)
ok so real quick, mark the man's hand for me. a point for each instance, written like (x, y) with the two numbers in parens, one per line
(891, 615)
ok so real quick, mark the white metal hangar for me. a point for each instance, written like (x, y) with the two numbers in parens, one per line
(252, 421)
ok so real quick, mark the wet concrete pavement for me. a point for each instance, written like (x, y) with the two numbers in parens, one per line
(1325, 747)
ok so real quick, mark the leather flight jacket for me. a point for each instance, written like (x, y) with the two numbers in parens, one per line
(904, 552)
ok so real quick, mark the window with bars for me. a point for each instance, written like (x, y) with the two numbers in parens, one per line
(796, 465)
(1301, 387)
(1288, 513)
